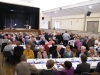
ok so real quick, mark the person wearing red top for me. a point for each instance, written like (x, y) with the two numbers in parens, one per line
(46, 46)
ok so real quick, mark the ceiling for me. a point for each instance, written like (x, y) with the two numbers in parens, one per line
(45, 4)
(77, 10)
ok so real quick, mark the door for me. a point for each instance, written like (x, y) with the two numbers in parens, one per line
(92, 26)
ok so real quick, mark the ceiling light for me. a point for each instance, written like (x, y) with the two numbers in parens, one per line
(55, 12)
(11, 10)
(89, 6)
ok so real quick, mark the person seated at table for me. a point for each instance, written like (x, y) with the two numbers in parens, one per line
(69, 70)
(83, 51)
(32, 44)
(13, 41)
(18, 51)
(9, 47)
(58, 53)
(98, 67)
(24, 68)
(42, 53)
(50, 42)
(68, 53)
(42, 41)
(52, 48)
(23, 41)
(84, 66)
(84, 43)
(34, 41)
(92, 52)
(50, 69)
(28, 52)
(46, 47)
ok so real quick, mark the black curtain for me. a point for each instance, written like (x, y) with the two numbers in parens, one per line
(18, 18)
(20, 15)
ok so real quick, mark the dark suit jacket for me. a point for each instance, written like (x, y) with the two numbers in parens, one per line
(83, 67)
(84, 44)
(51, 49)
(55, 55)
(78, 53)
(60, 39)
(48, 72)
(18, 50)
(98, 67)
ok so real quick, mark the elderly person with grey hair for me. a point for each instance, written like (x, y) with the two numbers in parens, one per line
(24, 68)
(42, 53)
(83, 51)
(92, 52)
(9, 47)
(58, 53)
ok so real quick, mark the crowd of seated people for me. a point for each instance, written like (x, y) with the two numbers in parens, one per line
(52, 44)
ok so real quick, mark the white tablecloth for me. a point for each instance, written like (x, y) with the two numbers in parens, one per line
(41, 63)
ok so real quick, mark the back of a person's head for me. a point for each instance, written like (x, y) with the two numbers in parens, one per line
(95, 73)
(23, 58)
(83, 58)
(50, 64)
(68, 64)
(18, 43)
(9, 42)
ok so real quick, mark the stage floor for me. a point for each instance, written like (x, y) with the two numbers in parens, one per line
(20, 30)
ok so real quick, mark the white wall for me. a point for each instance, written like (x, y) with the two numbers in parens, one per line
(77, 21)
(44, 23)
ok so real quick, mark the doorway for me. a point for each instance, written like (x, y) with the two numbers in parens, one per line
(92, 26)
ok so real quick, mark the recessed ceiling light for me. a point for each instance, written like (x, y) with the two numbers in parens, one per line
(89, 6)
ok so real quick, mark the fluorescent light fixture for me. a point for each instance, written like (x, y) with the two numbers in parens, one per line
(89, 6)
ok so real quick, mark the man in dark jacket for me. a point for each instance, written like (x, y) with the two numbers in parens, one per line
(58, 53)
(83, 67)
(81, 52)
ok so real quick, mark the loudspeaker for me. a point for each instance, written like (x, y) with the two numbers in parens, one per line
(88, 13)
(42, 18)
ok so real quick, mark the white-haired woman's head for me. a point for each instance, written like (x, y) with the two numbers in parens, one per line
(83, 49)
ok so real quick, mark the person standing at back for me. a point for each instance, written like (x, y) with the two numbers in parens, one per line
(66, 37)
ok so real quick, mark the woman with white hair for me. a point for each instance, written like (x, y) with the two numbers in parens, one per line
(42, 53)
(92, 52)
(83, 51)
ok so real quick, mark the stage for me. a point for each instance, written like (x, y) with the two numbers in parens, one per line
(20, 30)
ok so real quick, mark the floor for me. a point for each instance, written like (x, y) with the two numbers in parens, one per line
(6, 69)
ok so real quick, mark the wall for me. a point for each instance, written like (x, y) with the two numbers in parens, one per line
(44, 23)
(77, 21)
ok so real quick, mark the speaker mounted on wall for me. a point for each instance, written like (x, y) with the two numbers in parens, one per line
(88, 13)
(42, 18)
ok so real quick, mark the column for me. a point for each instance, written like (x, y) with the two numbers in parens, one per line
(84, 24)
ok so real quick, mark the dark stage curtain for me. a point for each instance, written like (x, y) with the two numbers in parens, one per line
(19, 18)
